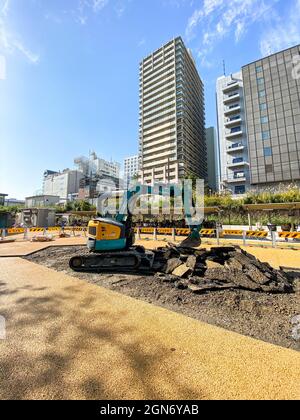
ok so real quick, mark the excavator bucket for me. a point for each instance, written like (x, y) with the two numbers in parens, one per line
(192, 241)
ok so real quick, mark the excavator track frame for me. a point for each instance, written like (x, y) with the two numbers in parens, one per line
(131, 261)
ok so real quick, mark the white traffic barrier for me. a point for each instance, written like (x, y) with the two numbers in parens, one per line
(274, 241)
(218, 235)
(155, 234)
(244, 238)
(3, 234)
(138, 234)
(174, 235)
(26, 237)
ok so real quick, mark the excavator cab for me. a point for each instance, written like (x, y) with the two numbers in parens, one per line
(106, 235)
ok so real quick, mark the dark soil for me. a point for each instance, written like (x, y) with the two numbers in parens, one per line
(263, 316)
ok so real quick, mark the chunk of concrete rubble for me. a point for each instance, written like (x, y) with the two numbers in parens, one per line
(182, 271)
(212, 264)
(172, 264)
(192, 262)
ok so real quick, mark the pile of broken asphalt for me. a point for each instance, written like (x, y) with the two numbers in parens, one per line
(204, 270)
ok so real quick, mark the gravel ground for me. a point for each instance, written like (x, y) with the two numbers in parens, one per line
(262, 316)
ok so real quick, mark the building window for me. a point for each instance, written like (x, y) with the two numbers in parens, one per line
(262, 93)
(240, 189)
(264, 120)
(238, 175)
(232, 94)
(259, 69)
(269, 169)
(267, 151)
(238, 160)
(235, 130)
(260, 80)
(265, 135)
(263, 107)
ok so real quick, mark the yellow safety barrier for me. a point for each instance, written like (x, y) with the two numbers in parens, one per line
(178, 231)
(289, 235)
(182, 231)
(146, 230)
(207, 232)
(76, 229)
(257, 234)
(15, 231)
(232, 232)
(164, 231)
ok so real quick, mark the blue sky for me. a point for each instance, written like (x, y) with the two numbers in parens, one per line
(69, 70)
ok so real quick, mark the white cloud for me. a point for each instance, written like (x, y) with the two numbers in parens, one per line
(9, 42)
(218, 19)
(284, 33)
(32, 57)
(142, 42)
(87, 7)
(5, 6)
(98, 5)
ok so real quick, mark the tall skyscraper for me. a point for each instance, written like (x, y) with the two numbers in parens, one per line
(172, 116)
(272, 99)
(233, 163)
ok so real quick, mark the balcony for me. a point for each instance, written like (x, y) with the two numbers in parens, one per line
(233, 122)
(236, 164)
(233, 136)
(237, 147)
(232, 86)
(232, 98)
(233, 110)
(236, 179)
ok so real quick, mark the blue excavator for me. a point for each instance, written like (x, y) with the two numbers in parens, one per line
(111, 240)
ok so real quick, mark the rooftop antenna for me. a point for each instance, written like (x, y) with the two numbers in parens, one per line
(224, 68)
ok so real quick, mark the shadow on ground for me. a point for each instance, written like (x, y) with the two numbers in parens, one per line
(62, 345)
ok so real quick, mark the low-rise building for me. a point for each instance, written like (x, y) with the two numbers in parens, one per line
(2, 199)
(37, 217)
(62, 184)
(13, 202)
(39, 201)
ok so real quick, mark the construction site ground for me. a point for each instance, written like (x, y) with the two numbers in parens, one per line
(259, 315)
(69, 339)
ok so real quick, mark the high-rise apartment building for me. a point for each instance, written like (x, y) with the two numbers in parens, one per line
(272, 100)
(211, 143)
(233, 162)
(131, 169)
(172, 116)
